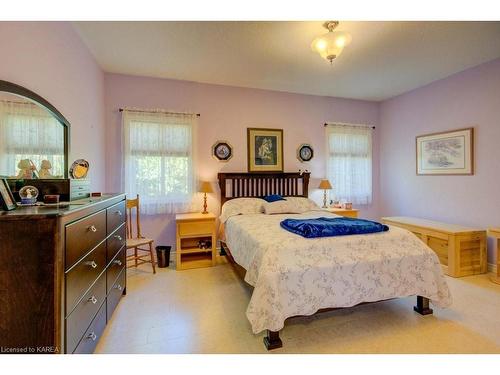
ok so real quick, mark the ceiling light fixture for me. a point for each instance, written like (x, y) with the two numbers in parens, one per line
(331, 44)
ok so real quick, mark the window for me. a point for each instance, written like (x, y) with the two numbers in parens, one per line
(28, 131)
(158, 165)
(349, 162)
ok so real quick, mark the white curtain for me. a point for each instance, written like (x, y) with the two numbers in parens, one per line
(158, 160)
(28, 131)
(349, 162)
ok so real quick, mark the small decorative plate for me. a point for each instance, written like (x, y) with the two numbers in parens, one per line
(222, 151)
(305, 152)
(79, 169)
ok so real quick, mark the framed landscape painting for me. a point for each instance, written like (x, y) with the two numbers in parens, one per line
(265, 150)
(446, 153)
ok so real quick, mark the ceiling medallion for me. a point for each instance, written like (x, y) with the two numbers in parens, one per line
(331, 44)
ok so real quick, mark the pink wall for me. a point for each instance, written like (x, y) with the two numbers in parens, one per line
(50, 59)
(226, 112)
(469, 98)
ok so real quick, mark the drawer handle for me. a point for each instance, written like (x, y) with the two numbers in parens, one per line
(119, 213)
(93, 300)
(118, 286)
(91, 263)
(118, 237)
(92, 336)
(92, 228)
(118, 261)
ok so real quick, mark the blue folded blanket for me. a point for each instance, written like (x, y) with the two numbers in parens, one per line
(328, 226)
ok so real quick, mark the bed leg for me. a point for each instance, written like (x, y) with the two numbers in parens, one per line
(422, 306)
(272, 340)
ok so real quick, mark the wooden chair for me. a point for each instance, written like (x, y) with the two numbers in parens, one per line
(139, 240)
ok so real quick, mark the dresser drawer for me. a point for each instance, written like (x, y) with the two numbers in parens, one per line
(196, 228)
(83, 235)
(115, 293)
(115, 216)
(115, 242)
(115, 267)
(81, 276)
(78, 321)
(93, 333)
(75, 195)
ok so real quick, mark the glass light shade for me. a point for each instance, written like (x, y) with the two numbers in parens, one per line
(331, 44)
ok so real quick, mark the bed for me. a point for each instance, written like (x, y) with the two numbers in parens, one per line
(294, 276)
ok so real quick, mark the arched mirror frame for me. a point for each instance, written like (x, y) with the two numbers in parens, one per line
(23, 91)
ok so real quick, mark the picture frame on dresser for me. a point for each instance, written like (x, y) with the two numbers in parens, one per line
(7, 201)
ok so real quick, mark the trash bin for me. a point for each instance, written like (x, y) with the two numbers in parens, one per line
(163, 255)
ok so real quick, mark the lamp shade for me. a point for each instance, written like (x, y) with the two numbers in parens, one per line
(206, 187)
(325, 184)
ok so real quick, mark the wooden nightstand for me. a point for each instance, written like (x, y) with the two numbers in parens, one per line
(192, 228)
(495, 232)
(344, 212)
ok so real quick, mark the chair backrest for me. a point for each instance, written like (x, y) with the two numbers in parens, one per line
(133, 203)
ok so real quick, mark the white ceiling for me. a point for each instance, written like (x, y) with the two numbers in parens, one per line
(383, 60)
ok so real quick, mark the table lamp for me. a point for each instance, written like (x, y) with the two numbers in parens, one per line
(325, 185)
(205, 187)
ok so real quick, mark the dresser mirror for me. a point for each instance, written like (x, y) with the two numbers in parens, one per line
(34, 136)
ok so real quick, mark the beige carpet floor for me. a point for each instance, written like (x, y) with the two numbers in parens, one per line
(203, 311)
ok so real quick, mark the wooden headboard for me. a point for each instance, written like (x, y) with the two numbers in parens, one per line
(258, 185)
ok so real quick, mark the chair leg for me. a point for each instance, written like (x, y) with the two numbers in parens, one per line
(135, 256)
(152, 257)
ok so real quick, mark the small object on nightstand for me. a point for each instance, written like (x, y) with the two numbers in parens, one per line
(325, 185)
(196, 239)
(205, 188)
(96, 194)
(348, 206)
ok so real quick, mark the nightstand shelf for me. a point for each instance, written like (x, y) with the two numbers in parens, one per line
(192, 228)
(344, 212)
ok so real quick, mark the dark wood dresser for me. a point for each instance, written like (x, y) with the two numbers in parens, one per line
(62, 274)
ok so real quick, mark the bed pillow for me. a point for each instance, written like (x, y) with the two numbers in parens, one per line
(292, 205)
(241, 206)
(273, 198)
(302, 204)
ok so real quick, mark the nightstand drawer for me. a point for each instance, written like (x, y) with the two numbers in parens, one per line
(196, 228)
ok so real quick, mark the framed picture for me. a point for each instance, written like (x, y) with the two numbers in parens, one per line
(222, 151)
(446, 153)
(265, 150)
(305, 152)
(7, 201)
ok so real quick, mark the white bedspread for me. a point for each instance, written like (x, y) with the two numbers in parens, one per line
(292, 275)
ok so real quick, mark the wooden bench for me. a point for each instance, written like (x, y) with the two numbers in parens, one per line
(461, 249)
(495, 232)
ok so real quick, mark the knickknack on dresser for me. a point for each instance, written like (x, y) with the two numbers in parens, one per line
(62, 267)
